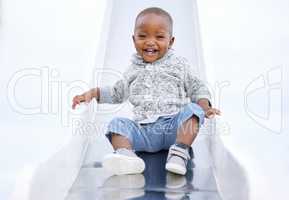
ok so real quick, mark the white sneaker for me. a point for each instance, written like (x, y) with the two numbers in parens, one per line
(177, 160)
(123, 161)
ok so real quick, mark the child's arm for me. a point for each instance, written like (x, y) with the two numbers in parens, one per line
(118, 93)
(113, 95)
(199, 93)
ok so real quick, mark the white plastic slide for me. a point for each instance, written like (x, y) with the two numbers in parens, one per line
(75, 173)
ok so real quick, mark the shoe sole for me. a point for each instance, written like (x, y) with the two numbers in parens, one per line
(121, 164)
(175, 168)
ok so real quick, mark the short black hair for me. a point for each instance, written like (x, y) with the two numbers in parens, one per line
(157, 11)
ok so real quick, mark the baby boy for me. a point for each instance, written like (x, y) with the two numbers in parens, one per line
(169, 101)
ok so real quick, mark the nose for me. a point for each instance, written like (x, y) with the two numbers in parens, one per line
(150, 42)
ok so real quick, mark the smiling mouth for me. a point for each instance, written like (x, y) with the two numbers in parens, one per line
(150, 51)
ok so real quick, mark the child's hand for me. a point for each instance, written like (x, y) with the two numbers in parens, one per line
(211, 112)
(86, 97)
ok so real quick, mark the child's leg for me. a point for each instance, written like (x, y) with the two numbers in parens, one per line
(188, 131)
(119, 141)
(124, 134)
(187, 124)
(123, 160)
(179, 153)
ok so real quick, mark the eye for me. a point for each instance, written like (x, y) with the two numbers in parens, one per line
(141, 35)
(160, 36)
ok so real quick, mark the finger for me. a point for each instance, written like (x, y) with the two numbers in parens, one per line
(216, 111)
(81, 98)
(75, 102)
(73, 105)
(76, 98)
(210, 111)
(209, 114)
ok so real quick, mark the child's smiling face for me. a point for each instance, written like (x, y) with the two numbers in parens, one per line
(152, 36)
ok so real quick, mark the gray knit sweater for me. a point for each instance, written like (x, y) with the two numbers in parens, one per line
(156, 89)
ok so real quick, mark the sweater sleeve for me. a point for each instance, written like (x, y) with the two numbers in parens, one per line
(194, 87)
(119, 92)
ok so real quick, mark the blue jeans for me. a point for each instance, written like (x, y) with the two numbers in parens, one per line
(155, 136)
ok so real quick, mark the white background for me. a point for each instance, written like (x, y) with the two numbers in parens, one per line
(242, 40)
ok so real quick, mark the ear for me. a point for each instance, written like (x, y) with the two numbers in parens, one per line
(133, 38)
(171, 42)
